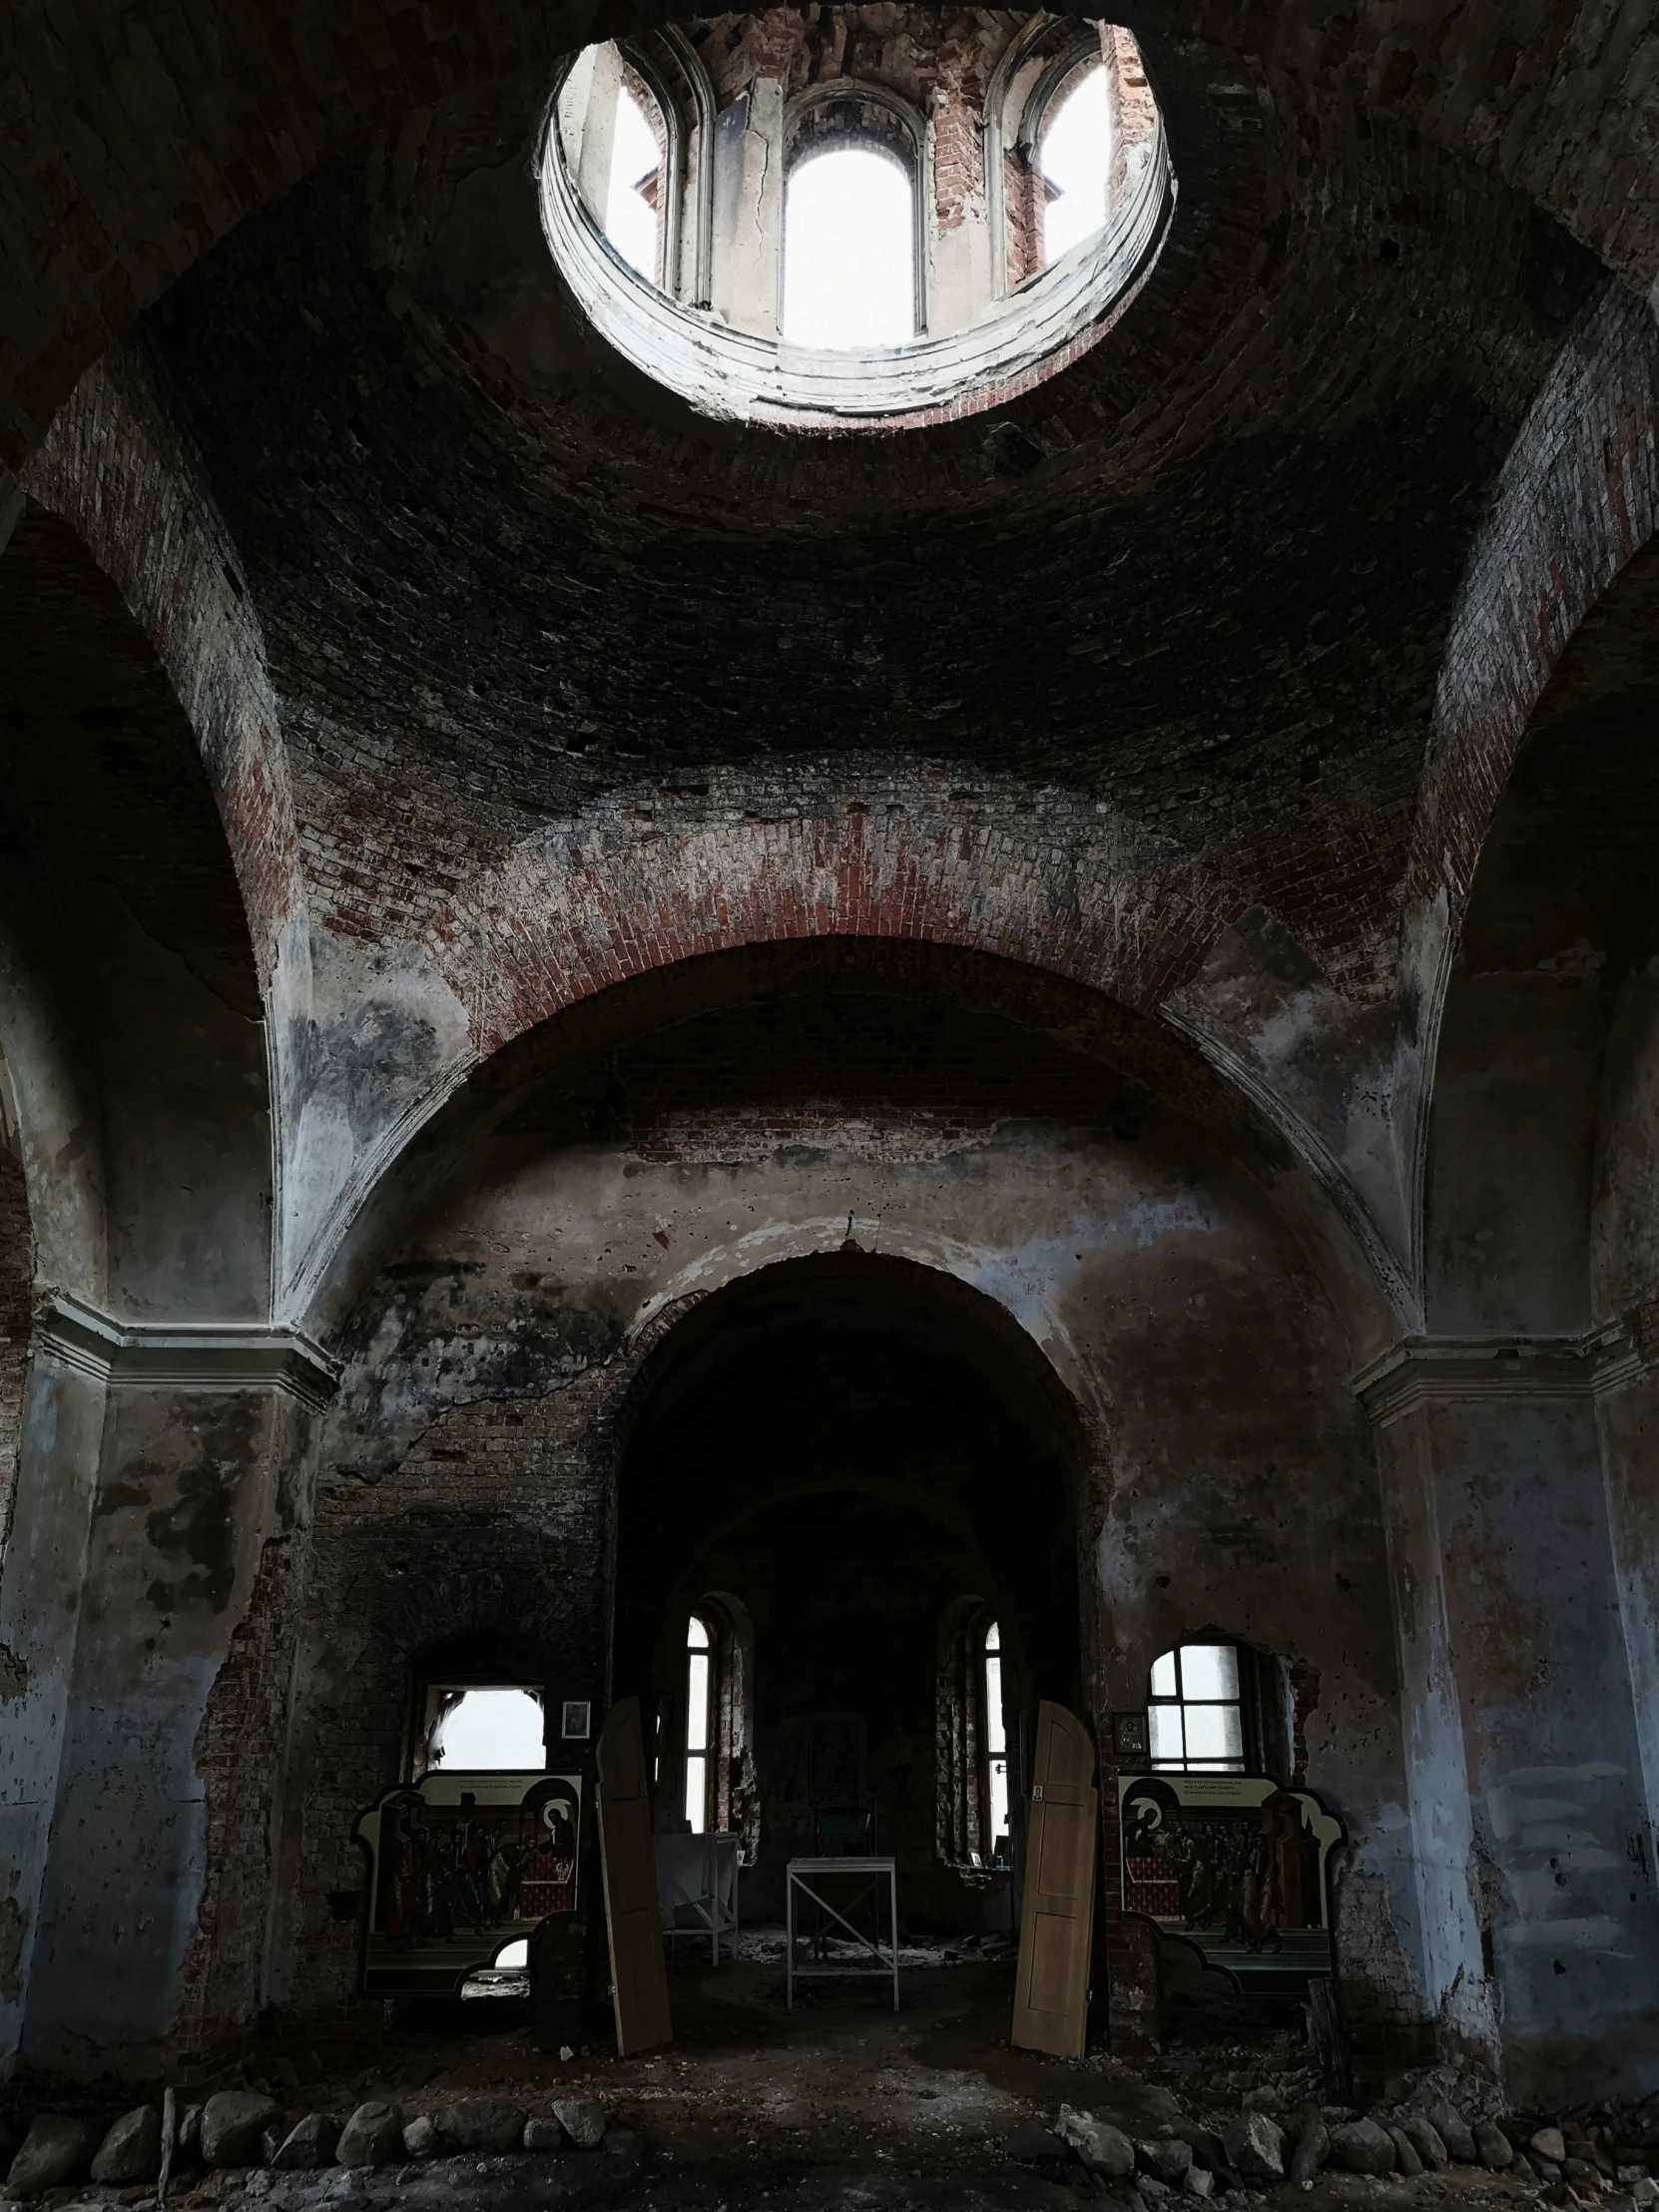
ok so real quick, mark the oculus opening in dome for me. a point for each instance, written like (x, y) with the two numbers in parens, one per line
(845, 218)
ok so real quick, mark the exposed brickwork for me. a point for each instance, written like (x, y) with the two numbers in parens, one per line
(520, 690)
(922, 1083)
(1024, 196)
(958, 172)
(1133, 111)
(237, 1755)
(489, 1542)
(131, 806)
(186, 126)
(1578, 495)
(545, 599)
(121, 474)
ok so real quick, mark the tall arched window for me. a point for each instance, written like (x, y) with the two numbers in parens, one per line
(849, 275)
(1076, 157)
(633, 189)
(619, 138)
(699, 1717)
(996, 1748)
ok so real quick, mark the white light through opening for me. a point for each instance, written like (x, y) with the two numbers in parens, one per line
(848, 252)
(485, 1729)
(1077, 160)
(698, 1686)
(997, 1742)
(630, 221)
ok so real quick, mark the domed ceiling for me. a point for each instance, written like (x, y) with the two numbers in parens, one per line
(1203, 574)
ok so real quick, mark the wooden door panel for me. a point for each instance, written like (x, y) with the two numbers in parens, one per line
(1062, 1846)
(639, 1978)
(1051, 1988)
(1057, 1966)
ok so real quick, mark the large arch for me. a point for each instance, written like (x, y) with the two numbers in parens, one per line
(1514, 1431)
(849, 1443)
(1135, 1055)
(745, 1118)
(152, 1427)
(406, 916)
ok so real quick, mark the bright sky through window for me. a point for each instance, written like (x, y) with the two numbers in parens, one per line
(630, 222)
(491, 1729)
(848, 252)
(997, 1742)
(1076, 156)
(697, 1725)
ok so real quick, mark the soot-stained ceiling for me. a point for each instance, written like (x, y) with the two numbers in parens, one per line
(500, 574)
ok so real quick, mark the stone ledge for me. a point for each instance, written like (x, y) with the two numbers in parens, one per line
(1419, 1369)
(193, 1355)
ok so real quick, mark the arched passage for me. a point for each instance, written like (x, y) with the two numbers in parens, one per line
(1515, 1434)
(137, 1169)
(851, 1445)
(1083, 1371)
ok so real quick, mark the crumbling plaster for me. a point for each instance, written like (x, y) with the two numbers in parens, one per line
(1375, 451)
(346, 980)
(1155, 1282)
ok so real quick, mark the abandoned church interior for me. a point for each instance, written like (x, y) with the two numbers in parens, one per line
(829, 1101)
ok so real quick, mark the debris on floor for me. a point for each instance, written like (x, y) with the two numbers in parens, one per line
(840, 2101)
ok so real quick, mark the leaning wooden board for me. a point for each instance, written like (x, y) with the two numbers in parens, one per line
(639, 1978)
(1056, 1929)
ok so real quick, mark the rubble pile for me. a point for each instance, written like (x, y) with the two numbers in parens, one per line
(1236, 2157)
(236, 2128)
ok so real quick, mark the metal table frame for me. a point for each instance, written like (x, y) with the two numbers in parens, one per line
(884, 1961)
(720, 1852)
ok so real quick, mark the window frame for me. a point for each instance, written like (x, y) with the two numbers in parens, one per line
(1243, 1704)
(1054, 87)
(706, 1754)
(431, 1712)
(917, 135)
(993, 1753)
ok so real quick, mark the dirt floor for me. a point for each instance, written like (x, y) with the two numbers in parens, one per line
(841, 2101)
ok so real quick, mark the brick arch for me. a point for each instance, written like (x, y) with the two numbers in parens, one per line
(1578, 495)
(1543, 1140)
(118, 468)
(144, 140)
(1069, 889)
(1577, 499)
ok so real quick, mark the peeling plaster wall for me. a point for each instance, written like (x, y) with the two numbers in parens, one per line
(1624, 1264)
(149, 1814)
(40, 1603)
(473, 1441)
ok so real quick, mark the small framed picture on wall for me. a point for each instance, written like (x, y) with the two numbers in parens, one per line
(578, 1720)
(1129, 1737)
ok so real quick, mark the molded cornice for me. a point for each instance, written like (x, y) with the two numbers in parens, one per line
(184, 1356)
(1419, 1368)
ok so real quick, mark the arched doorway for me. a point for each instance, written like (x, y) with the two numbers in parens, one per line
(875, 1464)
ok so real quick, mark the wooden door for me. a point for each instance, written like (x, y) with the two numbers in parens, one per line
(633, 1920)
(1056, 1929)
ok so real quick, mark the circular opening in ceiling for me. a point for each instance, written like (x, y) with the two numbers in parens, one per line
(861, 218)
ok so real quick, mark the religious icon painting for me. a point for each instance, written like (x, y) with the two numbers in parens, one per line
(462, 1866)
(1236, 1868)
